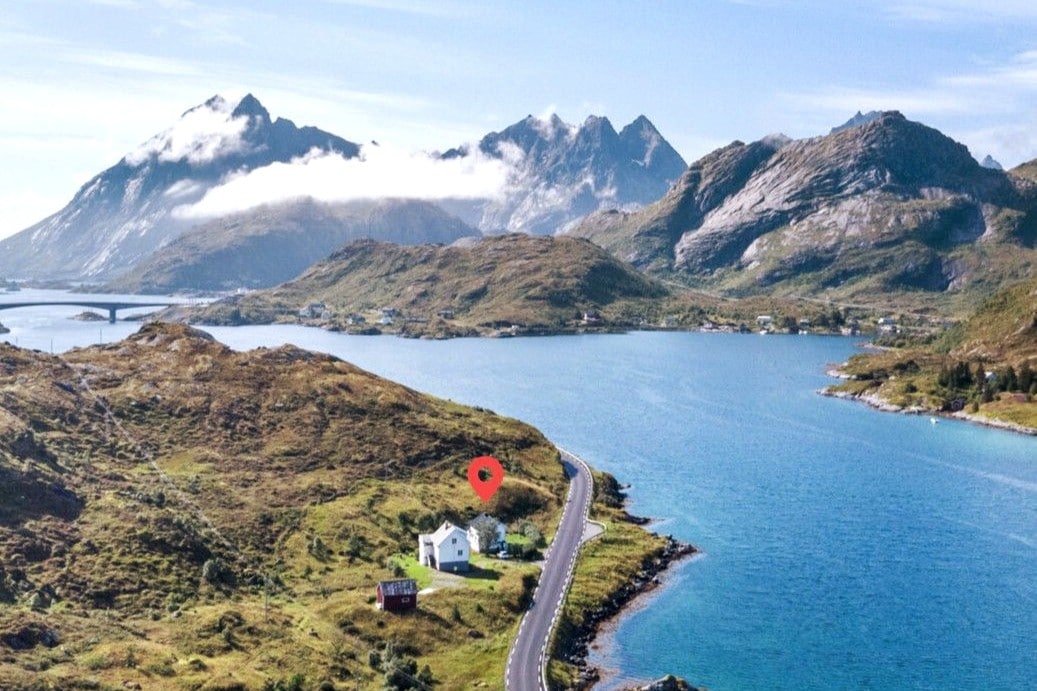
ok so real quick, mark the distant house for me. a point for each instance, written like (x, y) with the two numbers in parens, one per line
(390, 312)
(764, 320)
(446, 549)
(398, 595)
(314, 310)
(591, 317)
(887, 321)
(473, 534)
(386, 320)
(355, 319)
(446, 314)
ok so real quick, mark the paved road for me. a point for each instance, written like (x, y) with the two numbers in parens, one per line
(525, 671)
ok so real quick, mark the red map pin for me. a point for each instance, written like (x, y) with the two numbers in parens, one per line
(488, 487)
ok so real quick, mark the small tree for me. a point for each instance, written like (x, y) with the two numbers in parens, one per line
(486, 531)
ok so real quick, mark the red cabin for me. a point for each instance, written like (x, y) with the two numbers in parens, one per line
(398, 595)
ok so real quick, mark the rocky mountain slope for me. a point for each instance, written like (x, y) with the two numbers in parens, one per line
(174, 514)
(882, 207)
(122, 215)
(266, 246)
(538, 283)
(563, 172)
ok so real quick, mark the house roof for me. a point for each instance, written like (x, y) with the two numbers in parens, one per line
(402, 586)
(483, 516)
(444, 531)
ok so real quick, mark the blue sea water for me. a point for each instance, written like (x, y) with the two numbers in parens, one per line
(843, 548)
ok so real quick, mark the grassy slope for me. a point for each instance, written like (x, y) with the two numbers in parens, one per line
(538, 282)
(1002, 333)
(254, 455)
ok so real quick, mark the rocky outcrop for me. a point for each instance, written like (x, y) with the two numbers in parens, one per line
(667, 683)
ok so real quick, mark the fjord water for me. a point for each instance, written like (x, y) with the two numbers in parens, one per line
(843, 548)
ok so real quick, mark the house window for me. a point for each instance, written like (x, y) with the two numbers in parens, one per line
(453, 540)
(459, 553)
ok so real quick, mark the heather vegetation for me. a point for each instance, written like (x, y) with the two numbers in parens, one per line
(177, 515)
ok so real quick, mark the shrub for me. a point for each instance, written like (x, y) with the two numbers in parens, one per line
(216, 571)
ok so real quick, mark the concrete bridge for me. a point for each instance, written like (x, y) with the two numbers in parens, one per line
(112, 307)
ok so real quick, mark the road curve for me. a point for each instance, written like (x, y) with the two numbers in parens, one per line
(528, 657)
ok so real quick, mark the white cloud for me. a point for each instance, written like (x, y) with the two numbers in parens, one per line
(200, 136)
(379, 172)
(960, 11)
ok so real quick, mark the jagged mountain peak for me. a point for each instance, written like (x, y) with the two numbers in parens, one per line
(991, 163)
(125, 213)
(597, 122)
(906, 152)
(250, 106)
(204, 133)
(564, 172)
(860, 119)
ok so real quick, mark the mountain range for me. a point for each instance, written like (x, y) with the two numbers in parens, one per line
(121, 216)
(881, 207)
(564, 172)
(119, 219)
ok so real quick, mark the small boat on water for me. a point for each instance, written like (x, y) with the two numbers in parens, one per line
(934, 421)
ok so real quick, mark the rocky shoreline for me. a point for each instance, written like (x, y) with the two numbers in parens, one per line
(575, 650)
(881, 404)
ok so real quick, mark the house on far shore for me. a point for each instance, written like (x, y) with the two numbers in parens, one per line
(764, 320)
(499, 530)
(446, 549)
(315, 310)
(397, 595)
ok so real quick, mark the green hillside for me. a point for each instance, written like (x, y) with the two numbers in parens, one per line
(535, 283)
(176, 515)
(983, 367)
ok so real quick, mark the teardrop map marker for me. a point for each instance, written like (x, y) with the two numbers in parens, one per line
(488, 487)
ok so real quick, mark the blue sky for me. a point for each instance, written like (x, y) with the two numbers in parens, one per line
(85, 82)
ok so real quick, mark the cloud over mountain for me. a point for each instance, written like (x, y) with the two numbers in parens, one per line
(378, 172)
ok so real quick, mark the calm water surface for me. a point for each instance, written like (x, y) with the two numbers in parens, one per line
(844, 548)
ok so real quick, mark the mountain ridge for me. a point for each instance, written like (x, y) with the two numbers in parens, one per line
(267, 245)
(566, 171)
(123, 214)
(885, 206)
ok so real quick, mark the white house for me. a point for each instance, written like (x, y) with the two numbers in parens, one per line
(473, 535)
(446, 549)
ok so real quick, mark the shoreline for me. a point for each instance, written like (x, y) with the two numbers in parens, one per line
(603, 644)
(629, 598)
(882, 405)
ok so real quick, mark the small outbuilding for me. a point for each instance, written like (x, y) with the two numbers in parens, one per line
(397, 595)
